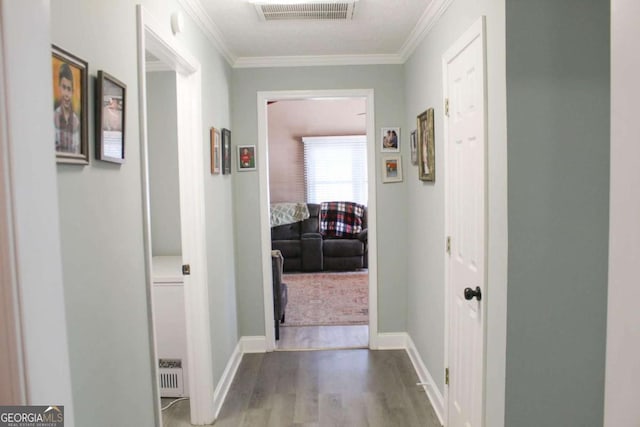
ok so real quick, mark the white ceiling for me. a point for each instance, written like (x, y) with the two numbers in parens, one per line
(382, 31)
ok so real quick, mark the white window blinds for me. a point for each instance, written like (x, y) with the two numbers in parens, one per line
(335, 168)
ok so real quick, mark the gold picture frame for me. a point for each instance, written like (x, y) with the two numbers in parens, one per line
(426, 147)
(215, 151)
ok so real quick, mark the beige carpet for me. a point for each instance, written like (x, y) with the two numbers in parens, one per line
(327, 299)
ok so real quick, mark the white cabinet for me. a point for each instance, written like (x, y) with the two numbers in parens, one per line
(170, 325)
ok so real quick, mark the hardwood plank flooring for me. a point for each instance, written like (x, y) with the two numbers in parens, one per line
(349, 388)
(337, 388)
(323, 337)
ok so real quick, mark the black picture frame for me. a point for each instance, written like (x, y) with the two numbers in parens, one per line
(70, 107)
(110, 127)
(226, 151)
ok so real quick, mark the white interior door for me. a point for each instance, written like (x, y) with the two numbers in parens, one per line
(466, 182)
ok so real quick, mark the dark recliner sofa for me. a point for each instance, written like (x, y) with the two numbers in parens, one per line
(305, 249)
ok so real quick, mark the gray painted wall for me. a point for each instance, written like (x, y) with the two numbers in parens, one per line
(426, 239)
(101, 222)
(623, 317)
(387, 82)
(162, 128)
(558, 108)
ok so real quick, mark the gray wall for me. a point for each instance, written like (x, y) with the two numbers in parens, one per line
(425, 201)
(623, 317)
(162, 128)
(558, 108)
(101, 222)
(387, 82)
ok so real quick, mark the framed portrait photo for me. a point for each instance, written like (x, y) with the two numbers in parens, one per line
(215, 151)
(426, 147)
(246, 158)
(70, 107)
(226, 151)
(110, 118)
(390, 140)
(392, 169)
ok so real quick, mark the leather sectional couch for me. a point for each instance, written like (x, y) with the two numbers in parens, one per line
(304, 248)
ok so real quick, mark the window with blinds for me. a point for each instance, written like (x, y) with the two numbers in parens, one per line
(335, 168)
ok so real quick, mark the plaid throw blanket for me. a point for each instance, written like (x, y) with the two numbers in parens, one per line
(341, 219)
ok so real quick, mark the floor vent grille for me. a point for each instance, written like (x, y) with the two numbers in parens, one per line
(315, 11)
(171, 379)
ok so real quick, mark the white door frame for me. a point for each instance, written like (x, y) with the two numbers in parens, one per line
(13, 386)
(476, 30)
(265, 227)
(152, 38)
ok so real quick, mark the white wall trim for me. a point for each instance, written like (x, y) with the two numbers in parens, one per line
(433, 393)
(315, 60)
(253, 344)
(392, 341)
(199, 15)
(13, 387)
(263, 173)
(222, 389)
(427, 21)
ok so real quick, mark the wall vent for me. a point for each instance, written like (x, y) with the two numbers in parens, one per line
(171, 379)
(312, 10)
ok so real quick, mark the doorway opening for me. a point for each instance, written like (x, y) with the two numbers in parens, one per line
(318, 155)
(177, 283)
(287, 121)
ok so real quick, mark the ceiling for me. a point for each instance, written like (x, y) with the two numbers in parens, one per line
(381, 31)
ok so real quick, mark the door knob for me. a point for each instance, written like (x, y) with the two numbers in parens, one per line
(470, 293)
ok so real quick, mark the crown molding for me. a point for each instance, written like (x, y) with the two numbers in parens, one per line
(427, 21)
(196, 11)
(315, 60)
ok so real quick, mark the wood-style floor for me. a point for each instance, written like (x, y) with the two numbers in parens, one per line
(349, 388)
(323, 337)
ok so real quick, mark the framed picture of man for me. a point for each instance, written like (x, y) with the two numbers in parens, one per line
(110, 118)
(226, 151)
(70, 107)
(426, 147)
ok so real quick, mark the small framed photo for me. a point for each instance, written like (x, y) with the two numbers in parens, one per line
(70, 107)
(246, 158)
(390, 141)
(110, 118)
(215, 151)
(414, 148)
(392, 169)
(426, 147)
(226, 151)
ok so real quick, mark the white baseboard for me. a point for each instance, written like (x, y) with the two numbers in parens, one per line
(220, 393)
(434, 394)
(256, 344)
(245, 345)
(392, 341)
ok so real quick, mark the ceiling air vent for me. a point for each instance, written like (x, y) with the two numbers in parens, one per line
(315, 11)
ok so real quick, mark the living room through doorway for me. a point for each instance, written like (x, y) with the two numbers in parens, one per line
(328, 305)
